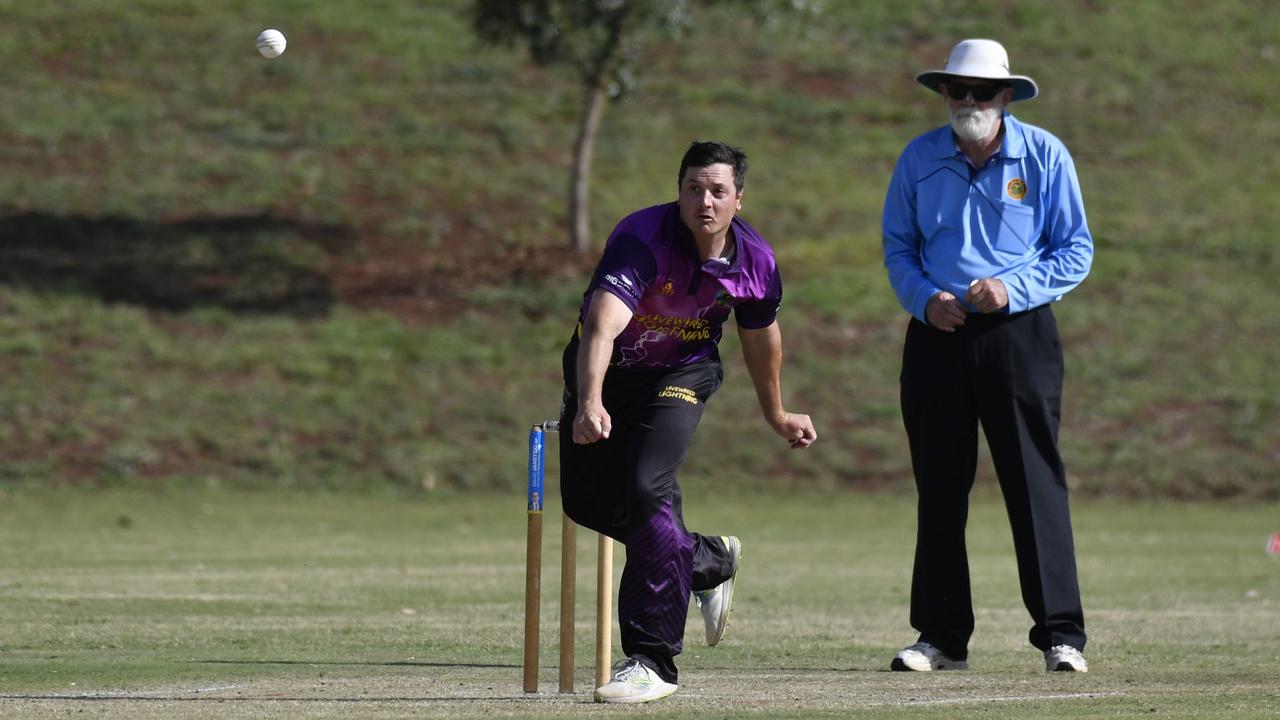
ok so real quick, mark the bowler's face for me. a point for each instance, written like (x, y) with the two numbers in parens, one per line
(708, 200)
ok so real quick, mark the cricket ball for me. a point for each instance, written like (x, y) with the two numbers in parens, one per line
(271, 43)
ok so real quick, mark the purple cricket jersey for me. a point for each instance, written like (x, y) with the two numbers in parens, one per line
(679, 303)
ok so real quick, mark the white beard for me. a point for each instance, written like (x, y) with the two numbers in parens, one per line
(973, 124)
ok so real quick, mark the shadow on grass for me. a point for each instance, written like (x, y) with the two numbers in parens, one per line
(290, 699)
(392, 663)
(246, 263)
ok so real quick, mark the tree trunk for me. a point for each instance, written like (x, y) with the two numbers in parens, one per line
(580, 183)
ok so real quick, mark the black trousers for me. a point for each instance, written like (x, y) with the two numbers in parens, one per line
(626, 487)
(1005, 373)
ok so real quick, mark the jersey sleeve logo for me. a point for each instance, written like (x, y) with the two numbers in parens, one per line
(624, 284)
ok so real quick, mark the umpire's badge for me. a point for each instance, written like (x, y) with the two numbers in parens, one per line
(1016, 189)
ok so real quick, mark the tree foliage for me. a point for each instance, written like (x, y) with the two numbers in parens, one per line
(599, 40)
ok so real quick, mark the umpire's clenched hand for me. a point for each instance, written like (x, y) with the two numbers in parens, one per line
(592, 423)
(944, 312)
(987, 295)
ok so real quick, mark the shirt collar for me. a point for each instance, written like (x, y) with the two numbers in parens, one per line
(1014, 145)
(714, 266)
(718, 267)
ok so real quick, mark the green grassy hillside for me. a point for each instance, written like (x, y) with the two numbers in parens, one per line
(345, 267)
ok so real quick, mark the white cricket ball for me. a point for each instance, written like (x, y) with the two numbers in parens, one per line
(271, 43)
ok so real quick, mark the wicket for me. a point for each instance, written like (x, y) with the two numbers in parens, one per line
(568, 583)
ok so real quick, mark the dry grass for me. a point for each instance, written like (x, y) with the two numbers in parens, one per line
(249, 606)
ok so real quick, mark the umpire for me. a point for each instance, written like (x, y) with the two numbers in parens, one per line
(984, 227)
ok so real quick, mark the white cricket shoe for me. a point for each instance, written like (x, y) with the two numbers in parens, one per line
(1064, 658)
(923, 657)
(633, 682)
(716, 603)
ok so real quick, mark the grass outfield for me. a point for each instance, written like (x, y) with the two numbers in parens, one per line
(220, 604)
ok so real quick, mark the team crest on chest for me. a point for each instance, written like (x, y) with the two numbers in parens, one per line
(1016, 188)
(668, 288)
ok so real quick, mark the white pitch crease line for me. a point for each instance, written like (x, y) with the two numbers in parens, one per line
(217, 688)
(999, 698)
(159, 693)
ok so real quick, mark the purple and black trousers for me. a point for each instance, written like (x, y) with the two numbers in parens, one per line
(626, 487)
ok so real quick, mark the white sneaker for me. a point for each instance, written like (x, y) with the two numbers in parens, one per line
(1064, 658)
(633, 682)
(923, 657)
(716, 603)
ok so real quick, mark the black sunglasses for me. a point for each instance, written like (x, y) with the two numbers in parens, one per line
(981, 93)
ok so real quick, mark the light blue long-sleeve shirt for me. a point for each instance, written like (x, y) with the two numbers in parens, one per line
(1019, 218)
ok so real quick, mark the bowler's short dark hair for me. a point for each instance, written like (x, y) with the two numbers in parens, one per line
(701, 154)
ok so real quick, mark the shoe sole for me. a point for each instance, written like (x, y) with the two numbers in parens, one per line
(736, 549)
(665, 692)
(1066, 661)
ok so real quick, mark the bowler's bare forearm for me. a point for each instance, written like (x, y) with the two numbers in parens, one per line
(762, 352)
(606, 319)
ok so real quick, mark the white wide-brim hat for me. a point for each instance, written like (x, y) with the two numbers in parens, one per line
(980, 60)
